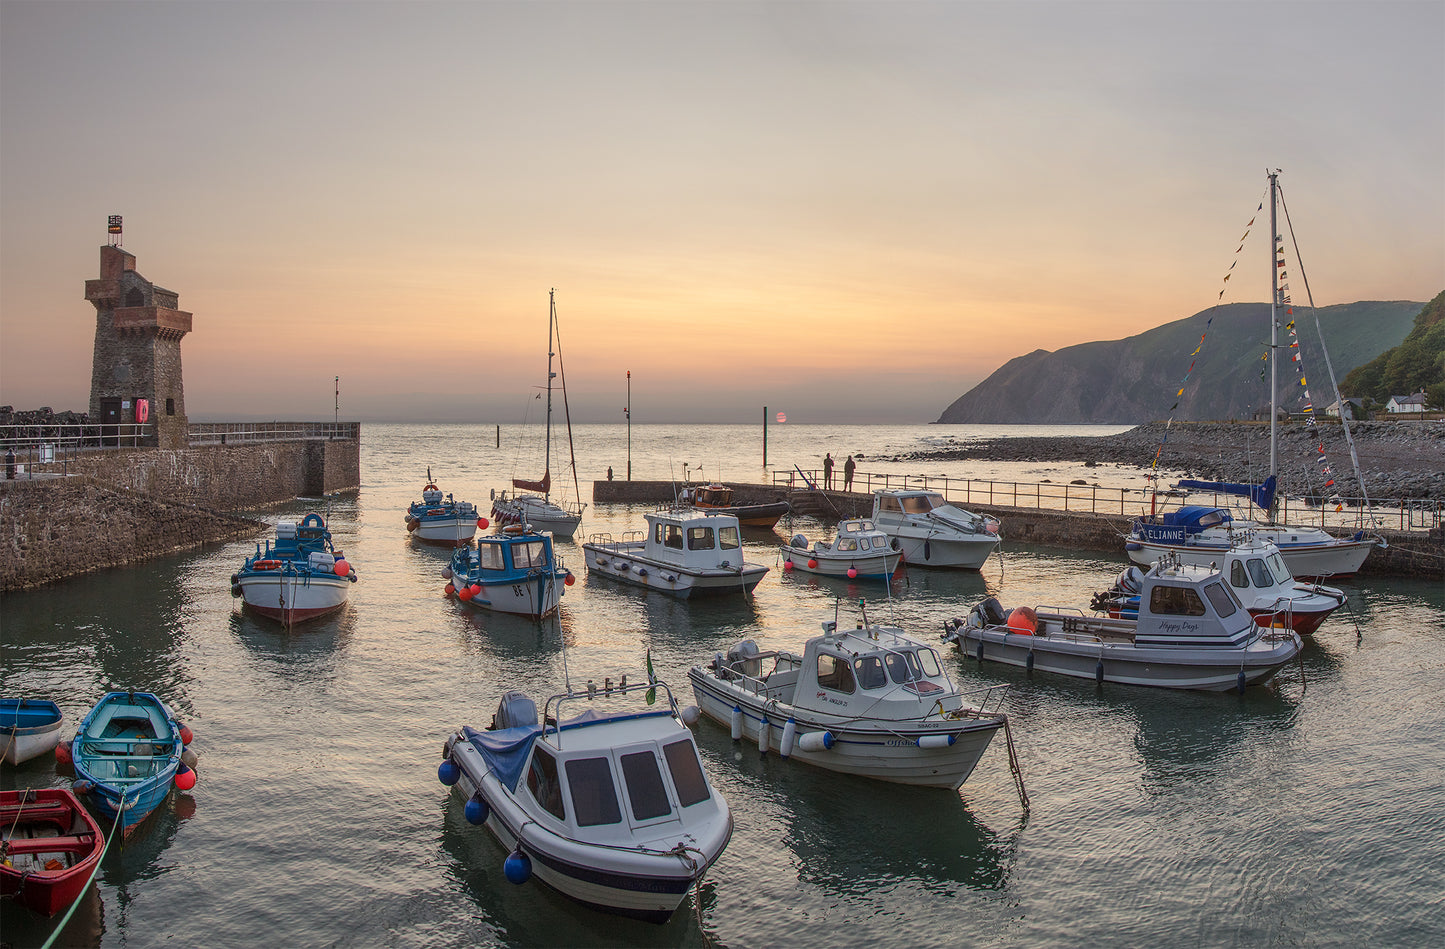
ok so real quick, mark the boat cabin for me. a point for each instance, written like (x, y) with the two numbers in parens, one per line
(708, 495)
(1190, 605)
(858, 536)
(521, 554)
(595, 775)
(693, 540)
(1175, 527)
(894, 507)
(861, 671)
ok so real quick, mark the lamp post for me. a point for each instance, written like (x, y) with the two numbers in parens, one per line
(627, 410)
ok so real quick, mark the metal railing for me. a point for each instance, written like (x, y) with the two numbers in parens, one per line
(236, 433)
(20, 438)
(1341, 514)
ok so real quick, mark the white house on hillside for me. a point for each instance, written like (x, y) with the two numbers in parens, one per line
(1355, 408)
(1406, 403)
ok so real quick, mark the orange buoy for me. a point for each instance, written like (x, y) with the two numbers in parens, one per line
(1023, 621)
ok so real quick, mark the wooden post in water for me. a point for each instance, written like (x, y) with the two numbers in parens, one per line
(765, 437)
(499, 436)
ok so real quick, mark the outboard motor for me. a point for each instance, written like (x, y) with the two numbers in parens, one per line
(515, 710)
(743, 658)
(992, 612)
(799, 541)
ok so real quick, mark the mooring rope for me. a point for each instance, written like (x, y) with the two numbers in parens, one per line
(64, 920)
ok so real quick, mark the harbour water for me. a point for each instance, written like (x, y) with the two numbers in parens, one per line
(1310, 812)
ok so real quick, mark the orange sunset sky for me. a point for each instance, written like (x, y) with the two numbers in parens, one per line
(851, 212)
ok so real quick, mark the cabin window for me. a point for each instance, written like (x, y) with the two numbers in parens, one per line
(533, 553)
(699, 538)
(1281, 572)
(848, 544)
(835, 673)
(1260, 573)
(928, 659)
(1212, 519)
(686, 772)
(644, 786)
(673, 537)
(727, 538)
(657, 533)
(1222, 598)
(918, 504)
(869, 670)
(1175, 601)
(890, 505)
(865, 525)
(1237, 574)
(491, 556)
(594, 798)
(903, 666)
(542, 782)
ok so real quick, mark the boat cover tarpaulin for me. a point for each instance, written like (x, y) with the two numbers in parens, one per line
(504, 750)
(1175, 526)
(1261, 494)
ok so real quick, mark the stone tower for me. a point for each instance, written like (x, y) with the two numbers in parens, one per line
(138, 332)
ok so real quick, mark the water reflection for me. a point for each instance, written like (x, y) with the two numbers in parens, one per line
(86, 927)
(306, 654)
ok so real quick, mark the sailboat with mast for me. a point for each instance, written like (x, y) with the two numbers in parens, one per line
(535, 509)
(1201, 534)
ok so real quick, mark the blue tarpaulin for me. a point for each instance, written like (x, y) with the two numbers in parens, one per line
(1261, 494)
(504, 750)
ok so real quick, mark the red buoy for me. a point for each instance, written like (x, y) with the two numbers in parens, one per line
(62, 753)
(465, 594)
(852, 573)
(450, 589)
(342, 568)
(186, 734)
(482, 523)
(787, 565)
(1023, 620)
(570, 580)
(185, 778)
(812, 564)
(475, 589)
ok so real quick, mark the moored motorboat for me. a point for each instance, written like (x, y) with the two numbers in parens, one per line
(931, 532)
(50, 845)
(441, 519)
(127, 755)
(719, 498)
(516, 571)
(299, 576)
(859, 551)
(1191, 632)
(870, 701)
(609, 807)
(1257, 571)
(684, 553)
(28, 728)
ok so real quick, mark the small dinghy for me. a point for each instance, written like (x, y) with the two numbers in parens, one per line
(859, 552)
(50, 845)
(28, 728)
(1191, 632)
(441, 519)
(870, 701)
(604, 798)
(128, 754)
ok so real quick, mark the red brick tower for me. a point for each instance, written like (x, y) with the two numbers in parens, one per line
(136, 372)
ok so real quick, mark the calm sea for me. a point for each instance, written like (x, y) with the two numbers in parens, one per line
(1308, 813)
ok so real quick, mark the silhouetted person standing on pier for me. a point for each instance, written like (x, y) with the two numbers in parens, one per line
(848, 468)
(828, 471)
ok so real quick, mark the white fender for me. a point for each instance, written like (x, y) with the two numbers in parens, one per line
(816, 741)
(763, 736)
(790, 730)
(936, 741)
(737, 723)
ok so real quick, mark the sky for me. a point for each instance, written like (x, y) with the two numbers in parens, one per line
(849, 212)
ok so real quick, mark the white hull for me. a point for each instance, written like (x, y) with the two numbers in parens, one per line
(885, 751)
(536, 597)
(875, 566)
(625, 563)
(1333, 558)
(22, 744)
(453, 531)
(291, 598)
(537, 514)
(924, 549)
(616, 879)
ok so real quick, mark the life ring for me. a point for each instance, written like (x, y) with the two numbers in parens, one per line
(513, 529)
(142, 410)
(436, 510)
(266, 565)
(431, 487)
(312, 520)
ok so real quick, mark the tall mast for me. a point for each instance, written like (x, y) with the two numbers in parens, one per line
(1274, 249)
(551, 316)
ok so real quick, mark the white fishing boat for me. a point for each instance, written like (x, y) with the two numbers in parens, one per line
(1191, 632)
(684, 552)
(441, 519)
(536, 509)
(931, 532)
(517, 571)
(870, 701)
(1257, 571)
(859, 551)
(28, 728)
(1201, 535)
(604, 798)
(299, 575)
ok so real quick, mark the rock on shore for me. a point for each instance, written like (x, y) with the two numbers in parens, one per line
(1398, 459)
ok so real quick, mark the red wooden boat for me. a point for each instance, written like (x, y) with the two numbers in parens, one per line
(49, 844)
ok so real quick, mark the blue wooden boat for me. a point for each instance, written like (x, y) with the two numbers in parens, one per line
(127, 755)
(516, 571)
(28, 728)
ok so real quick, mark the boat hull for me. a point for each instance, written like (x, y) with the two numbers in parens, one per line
(47, 827)
(1210, 669)
(28, 728)
(930, 550)
(123, 783)
(751, 515)
(291, 598)
(625, 564)
(869, 567)
(888, 752)
(1340, 558)
(535, 597)
(618, 880)
(446, 531)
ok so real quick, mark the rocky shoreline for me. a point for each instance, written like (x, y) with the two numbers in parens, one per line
(1399, 460)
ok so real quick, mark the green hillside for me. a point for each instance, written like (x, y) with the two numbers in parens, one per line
(1417, 363)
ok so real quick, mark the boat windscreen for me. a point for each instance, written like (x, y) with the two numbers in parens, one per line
(1222, 599)
(594, 797)
(727, 538)
(644, 786)
(686, 772)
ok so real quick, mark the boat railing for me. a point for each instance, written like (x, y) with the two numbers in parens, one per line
(996, 694)
(552, 708)
(784, 663)
(1337, 512)
(605, 541)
